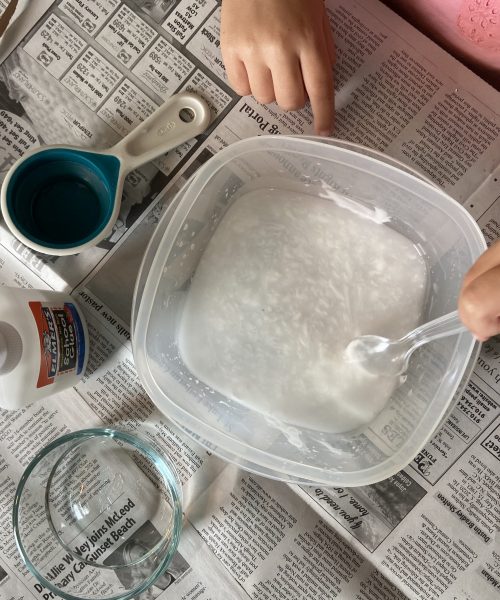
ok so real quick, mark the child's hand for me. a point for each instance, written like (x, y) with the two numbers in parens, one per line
(281, 50)
(479, 301)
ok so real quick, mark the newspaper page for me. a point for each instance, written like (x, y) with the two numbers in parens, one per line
(86, 74)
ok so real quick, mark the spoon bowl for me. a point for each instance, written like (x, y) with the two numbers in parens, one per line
(381, 356)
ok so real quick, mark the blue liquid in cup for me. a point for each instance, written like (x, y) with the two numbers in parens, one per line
(62, 198)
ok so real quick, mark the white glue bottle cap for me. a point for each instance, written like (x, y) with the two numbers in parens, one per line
(11, 348)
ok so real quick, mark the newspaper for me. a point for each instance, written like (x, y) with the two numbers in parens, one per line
(88, 72)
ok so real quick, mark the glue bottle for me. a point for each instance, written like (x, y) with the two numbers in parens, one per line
(43, 345)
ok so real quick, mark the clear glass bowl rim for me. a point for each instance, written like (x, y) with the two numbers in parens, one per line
(167, 471)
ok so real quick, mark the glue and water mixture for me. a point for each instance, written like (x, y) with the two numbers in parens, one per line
(285, 283)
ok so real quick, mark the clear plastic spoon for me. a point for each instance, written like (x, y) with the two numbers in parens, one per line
(381, 356)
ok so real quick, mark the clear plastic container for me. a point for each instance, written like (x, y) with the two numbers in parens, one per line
(445, 233)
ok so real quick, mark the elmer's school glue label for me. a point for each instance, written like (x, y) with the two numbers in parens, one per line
(43, 345)
(62, 340)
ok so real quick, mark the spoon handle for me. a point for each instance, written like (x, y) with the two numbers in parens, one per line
(442, 326)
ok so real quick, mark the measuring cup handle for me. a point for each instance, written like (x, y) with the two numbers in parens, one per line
(180, 118)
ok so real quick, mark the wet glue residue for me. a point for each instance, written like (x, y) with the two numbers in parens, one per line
(284, 284)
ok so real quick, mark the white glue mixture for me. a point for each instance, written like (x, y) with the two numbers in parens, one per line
(286, 282)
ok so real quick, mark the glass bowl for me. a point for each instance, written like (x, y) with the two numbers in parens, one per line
(98, 514)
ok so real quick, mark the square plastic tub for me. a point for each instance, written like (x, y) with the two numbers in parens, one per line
(445, 234)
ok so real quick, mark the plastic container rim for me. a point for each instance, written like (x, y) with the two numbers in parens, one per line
(218, 438)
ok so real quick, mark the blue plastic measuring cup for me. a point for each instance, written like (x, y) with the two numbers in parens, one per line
(61, 200)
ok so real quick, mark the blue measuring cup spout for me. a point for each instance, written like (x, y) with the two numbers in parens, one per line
(62, 197)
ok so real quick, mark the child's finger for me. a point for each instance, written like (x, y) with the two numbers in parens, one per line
(287, 81)
(488, 260)
(479, 304)
(318, 80)
(328, 33)
(261, 82)
(237, 76)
